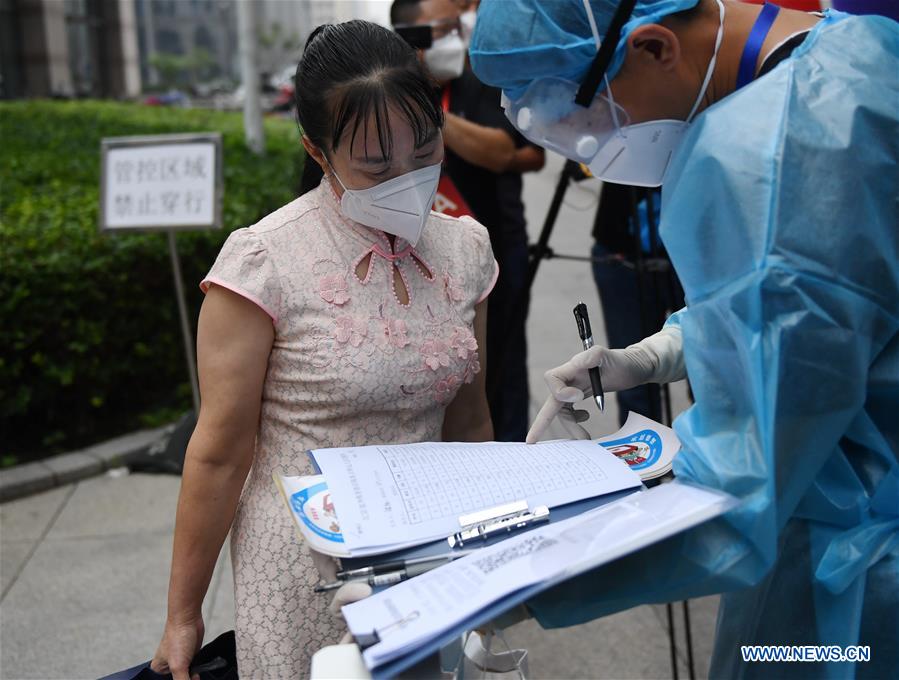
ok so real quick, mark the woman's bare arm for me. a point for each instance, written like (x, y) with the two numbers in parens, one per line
(234, 340)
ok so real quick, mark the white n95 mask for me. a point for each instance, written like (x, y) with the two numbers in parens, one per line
(399, 206)
(445, 58)
(601, 135)
(468, 20)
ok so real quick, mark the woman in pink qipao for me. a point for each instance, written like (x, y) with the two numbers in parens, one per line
(353, 315)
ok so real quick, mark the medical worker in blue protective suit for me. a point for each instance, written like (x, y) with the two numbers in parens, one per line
(776, 139)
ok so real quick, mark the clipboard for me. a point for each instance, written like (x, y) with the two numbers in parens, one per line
(703, 505)
(405, 495)
(402, 664)
(439, 547)
(435, 548)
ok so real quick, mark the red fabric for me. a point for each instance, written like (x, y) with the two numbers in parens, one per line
(801, 5)
(448, 199)
(446, 98)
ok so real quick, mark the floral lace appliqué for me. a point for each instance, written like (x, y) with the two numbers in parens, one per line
(454, 290)
(395, 333)
(473, 368)
(463, 342)
(333, 289)
(349, 330)
(435, 354)
(445, 389)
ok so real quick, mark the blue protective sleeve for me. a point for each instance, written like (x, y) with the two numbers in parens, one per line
(675, 319)
(744, 413)
(791, 337)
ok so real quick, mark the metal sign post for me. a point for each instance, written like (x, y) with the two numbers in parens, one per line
(164, 183)
(185, 326)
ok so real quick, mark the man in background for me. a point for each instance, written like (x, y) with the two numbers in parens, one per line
(485, 157)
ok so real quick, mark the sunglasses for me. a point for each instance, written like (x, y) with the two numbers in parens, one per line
(422, 36)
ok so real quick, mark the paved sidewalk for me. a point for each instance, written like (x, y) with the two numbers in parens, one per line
(84, 567)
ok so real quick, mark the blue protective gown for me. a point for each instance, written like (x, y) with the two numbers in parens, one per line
(781, 215)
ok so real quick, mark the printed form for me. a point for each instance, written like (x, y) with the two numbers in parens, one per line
(416, 492)
(409, 614)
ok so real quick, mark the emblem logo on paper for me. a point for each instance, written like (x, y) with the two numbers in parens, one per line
(639, 450)
(314, 507)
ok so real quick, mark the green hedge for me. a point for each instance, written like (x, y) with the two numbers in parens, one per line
(90, 343)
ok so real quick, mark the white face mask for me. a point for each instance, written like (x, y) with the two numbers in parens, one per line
(468, 19)
(640, 153)
(601, 136)
(445, 58)
(399, 206)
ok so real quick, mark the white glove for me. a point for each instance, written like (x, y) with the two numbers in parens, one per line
(480, 655)
(325, 564)
(656, 359)
(347, 594)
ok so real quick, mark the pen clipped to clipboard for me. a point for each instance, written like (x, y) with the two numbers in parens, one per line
(475, 528)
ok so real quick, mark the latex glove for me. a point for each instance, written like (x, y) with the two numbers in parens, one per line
(484, 655)
(347, 594)
(656, 359)
(325, 564)
(571, 419)
(507, 619)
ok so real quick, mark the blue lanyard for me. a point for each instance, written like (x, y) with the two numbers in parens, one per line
(754, 42)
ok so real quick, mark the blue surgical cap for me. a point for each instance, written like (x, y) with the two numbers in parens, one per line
(518, 41)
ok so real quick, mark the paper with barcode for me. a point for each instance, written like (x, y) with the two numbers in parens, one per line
(389, 494)
(411, 613)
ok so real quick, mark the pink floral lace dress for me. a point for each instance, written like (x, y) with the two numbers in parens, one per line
(350, 365)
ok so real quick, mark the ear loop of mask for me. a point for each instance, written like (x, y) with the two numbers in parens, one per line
(711, 69)
(598, 40)
(705, 83)
(332, 171)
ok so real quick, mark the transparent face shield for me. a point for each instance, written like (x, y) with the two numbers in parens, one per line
(547, 115)
(573, 120)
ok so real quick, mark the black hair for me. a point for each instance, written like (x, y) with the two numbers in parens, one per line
(404, 11)
(356, 69)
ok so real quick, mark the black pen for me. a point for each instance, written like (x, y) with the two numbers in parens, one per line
(399, 571)
(386, 579)
(584, 330)
(396, 565)
(375, 580)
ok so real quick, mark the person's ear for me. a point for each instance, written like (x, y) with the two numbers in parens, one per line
(654, 45)
(316, 154)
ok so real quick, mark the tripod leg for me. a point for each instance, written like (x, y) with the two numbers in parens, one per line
(672, 643)
(691, 667)
(541, 247)
(519, 305)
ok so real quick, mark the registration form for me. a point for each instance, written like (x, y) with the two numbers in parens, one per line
(393, 494)
(408, 615)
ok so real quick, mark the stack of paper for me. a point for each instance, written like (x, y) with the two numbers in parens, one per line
(413, 613)
(393, 497)
(647, 447)
(315, 516)
(389, 497)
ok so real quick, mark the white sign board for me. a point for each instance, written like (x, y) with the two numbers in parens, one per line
(161, 182)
